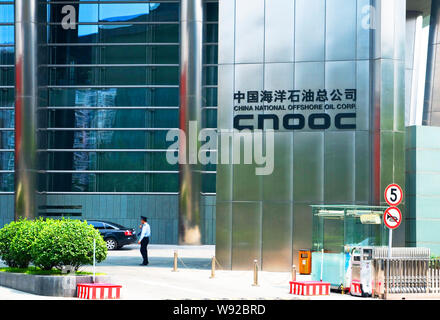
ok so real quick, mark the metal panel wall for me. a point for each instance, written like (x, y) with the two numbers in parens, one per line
(308, 45)
(251, 44)
(340, 31)
(280, 31)
(309, 30)
(246, 234)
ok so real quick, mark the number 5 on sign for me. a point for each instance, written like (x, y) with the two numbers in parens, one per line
(393, 195)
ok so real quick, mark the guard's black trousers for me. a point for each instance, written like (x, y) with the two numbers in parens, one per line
(144, 252)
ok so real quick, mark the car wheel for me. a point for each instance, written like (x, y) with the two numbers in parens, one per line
(112, 244)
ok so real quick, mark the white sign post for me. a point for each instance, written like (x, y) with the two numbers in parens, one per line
(94, 259)
(392, 218)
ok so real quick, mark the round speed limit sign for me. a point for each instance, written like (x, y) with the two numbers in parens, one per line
(392, 217)
(393, 195)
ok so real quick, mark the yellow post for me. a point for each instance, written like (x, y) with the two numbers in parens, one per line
(255, 273)
(293, 273)
(175, 261)
(212, 267)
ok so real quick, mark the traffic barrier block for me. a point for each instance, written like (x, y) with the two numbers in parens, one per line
(310, 288)
(98, 291)
(355, 288)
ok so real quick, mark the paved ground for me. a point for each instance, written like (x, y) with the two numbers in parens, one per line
(191, 281)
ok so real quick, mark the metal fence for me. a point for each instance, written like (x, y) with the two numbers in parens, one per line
(410, 277)
(434, 277)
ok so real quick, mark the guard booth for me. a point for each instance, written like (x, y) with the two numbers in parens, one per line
(337, 229)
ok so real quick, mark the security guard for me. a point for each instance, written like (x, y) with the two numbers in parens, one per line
(144, 239)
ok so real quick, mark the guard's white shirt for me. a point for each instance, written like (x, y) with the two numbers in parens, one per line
(146, 232)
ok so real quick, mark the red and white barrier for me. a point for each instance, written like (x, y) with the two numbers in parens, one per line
(98, 291)
(355, 288)
(310, 288)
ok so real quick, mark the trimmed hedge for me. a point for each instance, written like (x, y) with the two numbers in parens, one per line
(7, 234)
(21, 245)
(50, 243)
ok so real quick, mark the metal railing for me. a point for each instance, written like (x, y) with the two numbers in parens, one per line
(434, 277)
(409, 277)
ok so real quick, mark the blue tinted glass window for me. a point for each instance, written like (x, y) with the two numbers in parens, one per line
(211, 11)
(7, 55)
(92, 139)
(92, 160)
(98, 182)
(6, 35)
(111, 118)
(87, 33)
(208, 182)
(6, 160)
(112, 36)
(88, 13)
(7, 139)
(210, 97)
(6, 13)
(6, 182)
(114, 97)
(84, 12)
(7, 119)
(138, 12)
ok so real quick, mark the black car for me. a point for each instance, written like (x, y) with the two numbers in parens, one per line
(115, 235)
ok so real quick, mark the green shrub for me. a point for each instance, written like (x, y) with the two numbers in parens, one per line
(50, 243)
(23, 240)
(7, 234)
(67, 242)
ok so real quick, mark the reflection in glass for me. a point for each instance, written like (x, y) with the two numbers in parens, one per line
(120, 54)
(6, 160)
(109, 160)
(121, 118)
(112, 36)
(139, 12)
(6, 182)
(7, 76)
(162, 97)
(108, 33)
(7, 55)
(108, 182)
(7, 119)
(7, 140)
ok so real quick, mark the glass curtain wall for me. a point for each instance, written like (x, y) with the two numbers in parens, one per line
(7, 96)
(210, 63)
(113, 93)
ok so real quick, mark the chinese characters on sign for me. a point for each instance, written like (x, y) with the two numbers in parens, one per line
(320, 95)
(323, 101)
